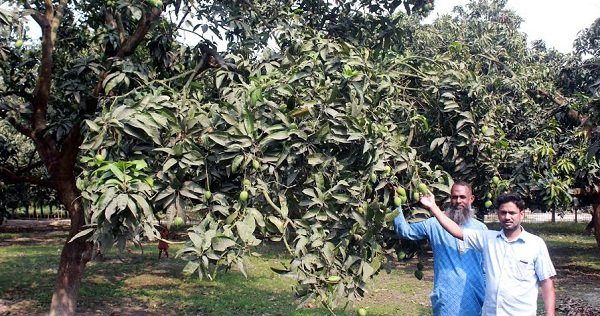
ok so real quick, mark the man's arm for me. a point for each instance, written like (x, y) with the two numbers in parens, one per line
(414, 231)
(548, 296)
(428, 200)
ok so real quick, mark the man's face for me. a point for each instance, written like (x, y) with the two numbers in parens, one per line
(460, 197)
(510, 216)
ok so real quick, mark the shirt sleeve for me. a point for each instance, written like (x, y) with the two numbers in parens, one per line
(543, 266)
(474, 238)
(414, 231)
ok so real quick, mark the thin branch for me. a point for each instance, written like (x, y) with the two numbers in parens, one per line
(182, 19)
(162, 82)
(562, 106)
(31, 156)
(109, 19)
(558, 99)
(20, 172)
(503, 65)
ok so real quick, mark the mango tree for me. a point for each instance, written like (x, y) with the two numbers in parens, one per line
(306, 144)
(96, 55)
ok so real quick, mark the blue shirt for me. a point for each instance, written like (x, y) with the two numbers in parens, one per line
(513, 270)
(458, 279)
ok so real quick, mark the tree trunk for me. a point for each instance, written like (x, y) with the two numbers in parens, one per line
(596, 218)
(74, 256)
(590, 226)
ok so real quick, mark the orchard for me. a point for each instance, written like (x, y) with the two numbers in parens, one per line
(306, 124)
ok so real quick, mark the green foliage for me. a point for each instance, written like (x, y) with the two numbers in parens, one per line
(118, 194)
(319, 118)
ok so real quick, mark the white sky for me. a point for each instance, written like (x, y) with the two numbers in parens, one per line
(555, 22)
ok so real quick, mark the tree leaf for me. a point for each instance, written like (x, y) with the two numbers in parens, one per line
(190, 267)
(222, 243)
(82, 233)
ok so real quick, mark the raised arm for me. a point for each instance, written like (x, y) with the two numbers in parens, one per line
(414, 231)
(548, 296)
(428, 201)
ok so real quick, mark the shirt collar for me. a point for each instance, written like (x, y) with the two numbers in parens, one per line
(522, 236)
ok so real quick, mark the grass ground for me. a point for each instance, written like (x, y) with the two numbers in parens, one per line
(143, 285)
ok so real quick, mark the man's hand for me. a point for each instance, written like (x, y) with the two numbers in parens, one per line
(428, 200)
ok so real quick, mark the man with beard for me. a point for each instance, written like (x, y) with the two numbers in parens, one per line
(516, 262)
(458, 281)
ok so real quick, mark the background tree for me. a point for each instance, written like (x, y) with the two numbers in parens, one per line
(578, 80)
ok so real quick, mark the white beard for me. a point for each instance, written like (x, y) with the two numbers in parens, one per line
(460, 216)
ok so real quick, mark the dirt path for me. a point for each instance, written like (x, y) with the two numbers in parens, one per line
(42, 231)
(29, 225)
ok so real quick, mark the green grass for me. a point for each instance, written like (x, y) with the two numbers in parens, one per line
(9, 235)
(145, 285)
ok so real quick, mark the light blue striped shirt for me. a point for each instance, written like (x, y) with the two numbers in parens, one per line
(513, 270)
(458, 279)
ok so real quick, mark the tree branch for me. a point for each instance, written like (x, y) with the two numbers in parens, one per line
(26, 169)
(120, 28)
(501, 64)
(28, 97)
(127, 48)
(562, 105)
(36, 16)
(131, 43)
(10, 177)
(30, 167)
(26, 131)
(49, 26)
(210, 59)
(593, 189)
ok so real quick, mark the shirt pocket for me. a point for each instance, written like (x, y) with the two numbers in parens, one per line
(524, 270)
